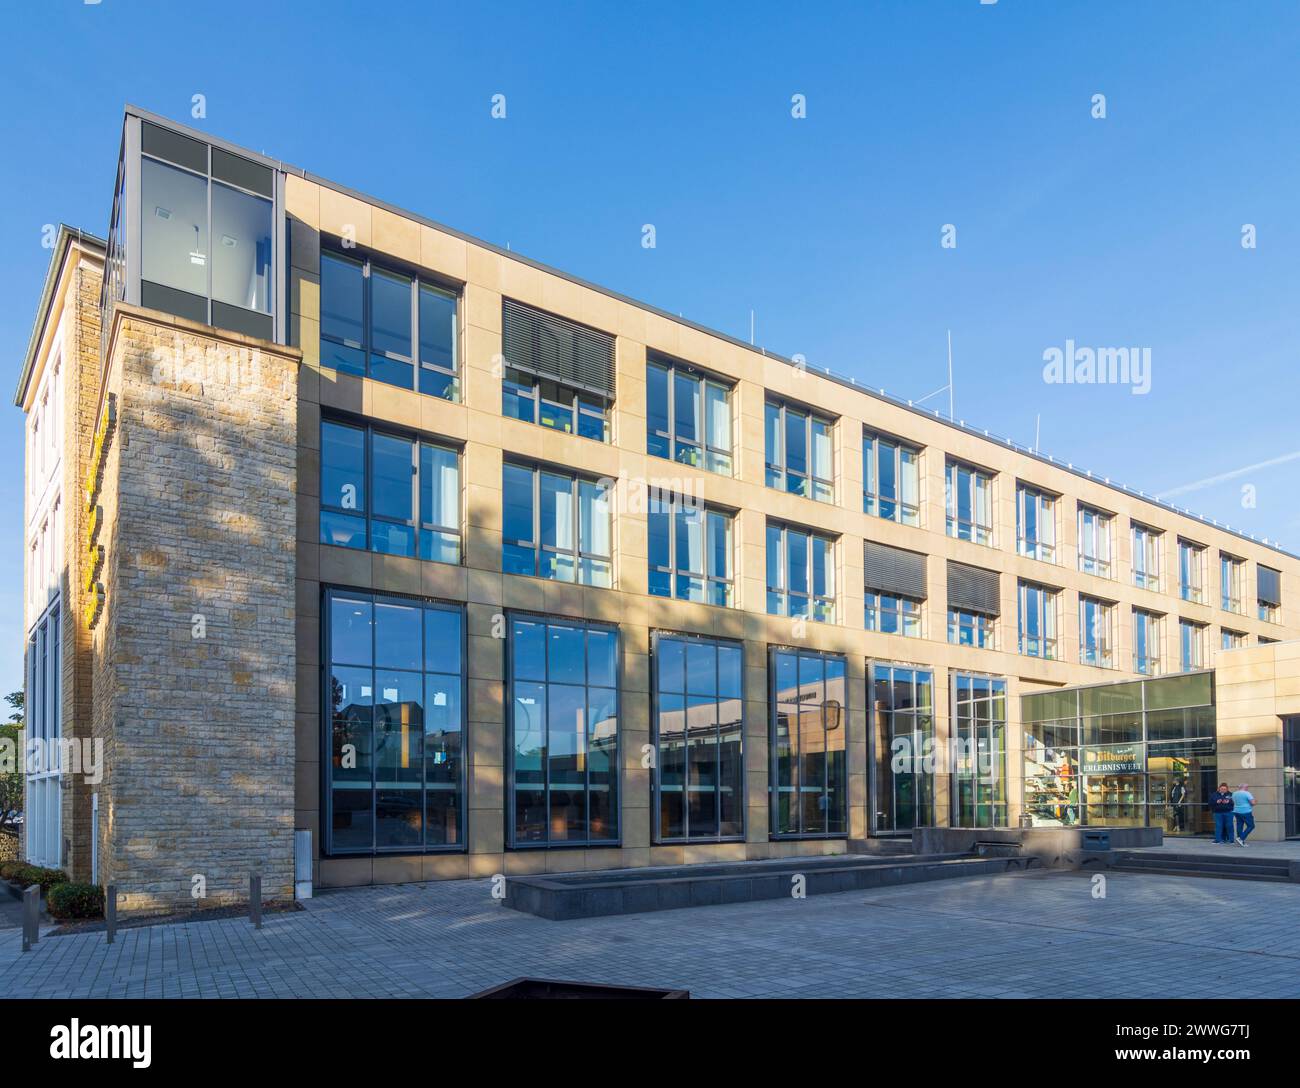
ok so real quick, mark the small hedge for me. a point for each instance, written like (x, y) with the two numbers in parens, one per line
(26, 875)
(68, 901)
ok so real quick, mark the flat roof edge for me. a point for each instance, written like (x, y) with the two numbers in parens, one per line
(875, 393)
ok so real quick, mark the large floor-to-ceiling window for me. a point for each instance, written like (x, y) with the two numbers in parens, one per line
(1291, 776)
(44, 729)
(699, 777)
(809, 717)
(1135, 754)
(902, 743)
(394, 718)
(979, 765)
(563, 732)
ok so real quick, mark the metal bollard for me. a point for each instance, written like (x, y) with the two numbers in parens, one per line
(255, 899)
(31, 917)
(110, 911)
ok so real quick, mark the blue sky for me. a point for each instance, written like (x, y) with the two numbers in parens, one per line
(1124, 231)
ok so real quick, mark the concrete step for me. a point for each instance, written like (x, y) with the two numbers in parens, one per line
(1205, 873)
(1231, 858)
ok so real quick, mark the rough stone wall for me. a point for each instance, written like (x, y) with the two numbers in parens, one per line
(80, 392)
(195, 669)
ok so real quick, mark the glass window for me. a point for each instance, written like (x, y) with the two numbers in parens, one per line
(1146, 557)
(891, 486)
(1146, 642)
(1035, 523)
(1094, 542)
(563, 720)
(438, 323)
(966, 628)
(174, 228)
(342, 313)
(373, 319)
(689, 551)
(389, 493)
(903, 747)
(1269, 594)
(1096, 637)
(1037, 620)
(809, 717)
(698, 772)
(800, 574)
(395, 721)
(241, 259)
(1191, 645)
(527, 397)
(390, 328)
(1291, 775)
(1232, 575)
(688, 417)
(968, 495)
(979, 730)
(798, 453)
(555, 526)
(892, 615)
(1191, 561)
(1231, 640)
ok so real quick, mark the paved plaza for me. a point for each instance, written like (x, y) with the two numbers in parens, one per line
(1028, 935)
(1039, 935)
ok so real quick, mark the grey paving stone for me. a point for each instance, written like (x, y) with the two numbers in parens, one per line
(999, 936)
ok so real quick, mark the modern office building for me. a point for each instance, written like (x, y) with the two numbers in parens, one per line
(341, 521)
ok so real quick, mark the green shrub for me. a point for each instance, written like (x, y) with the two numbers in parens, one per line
(75, 901)
(25, 875)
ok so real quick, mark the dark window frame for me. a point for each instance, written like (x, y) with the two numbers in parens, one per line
(580, 554)
(656, 829)
(774, 781)
(419, 281)
(616, 778)
(709, 455)
(675, 572)
(783, 591)
(872, 501)
(416, 523)
(327, 665)
(777, 474)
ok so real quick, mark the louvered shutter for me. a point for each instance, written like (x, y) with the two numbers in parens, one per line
(557, 348)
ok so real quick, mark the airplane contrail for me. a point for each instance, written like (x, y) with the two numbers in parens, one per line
(1210, 481)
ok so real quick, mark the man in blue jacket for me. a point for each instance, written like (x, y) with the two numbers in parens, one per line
(1221, 804)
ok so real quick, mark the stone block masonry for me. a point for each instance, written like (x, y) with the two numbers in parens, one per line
(195, 650)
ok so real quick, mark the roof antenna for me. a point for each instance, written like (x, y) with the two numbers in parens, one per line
(952, 414)
(951, 410)
(751, 328)
(1038, 419)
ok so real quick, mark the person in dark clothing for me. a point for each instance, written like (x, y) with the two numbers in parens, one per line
(1222, 804)
(1178, 798)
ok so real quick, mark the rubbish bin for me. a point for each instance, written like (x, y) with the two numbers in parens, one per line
(1096, 840)
(1026, 820)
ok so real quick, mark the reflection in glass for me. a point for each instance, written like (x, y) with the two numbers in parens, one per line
(563, 733)
(396, 775)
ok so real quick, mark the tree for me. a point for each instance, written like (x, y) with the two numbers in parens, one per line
(11, 759)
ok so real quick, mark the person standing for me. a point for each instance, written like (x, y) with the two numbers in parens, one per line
(1222, 804)
(1243, 812)
(1178, 798)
